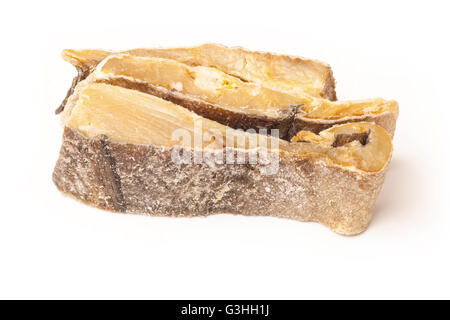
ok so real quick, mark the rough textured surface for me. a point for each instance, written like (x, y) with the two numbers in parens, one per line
(143, 179)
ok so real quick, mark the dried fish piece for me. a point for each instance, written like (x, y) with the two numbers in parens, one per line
(316, 115)
(242, 105)
(118, 148)
(207, 91)
(289, 74)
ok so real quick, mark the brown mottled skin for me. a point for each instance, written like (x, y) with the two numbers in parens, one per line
(143, 179)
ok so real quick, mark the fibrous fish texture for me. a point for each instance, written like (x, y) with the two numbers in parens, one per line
(128, 151)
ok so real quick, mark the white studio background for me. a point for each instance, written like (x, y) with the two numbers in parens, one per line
(54, 247)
